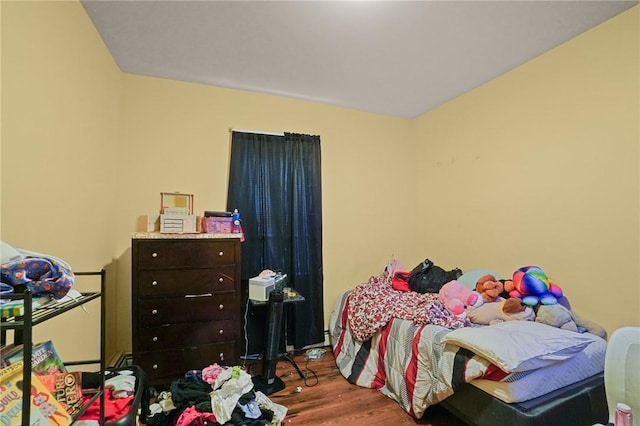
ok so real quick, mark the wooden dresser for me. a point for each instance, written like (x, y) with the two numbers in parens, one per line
(186, 309)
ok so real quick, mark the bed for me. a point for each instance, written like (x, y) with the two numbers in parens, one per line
(520, 373)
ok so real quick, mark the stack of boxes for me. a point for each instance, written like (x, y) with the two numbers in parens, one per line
(176, 213)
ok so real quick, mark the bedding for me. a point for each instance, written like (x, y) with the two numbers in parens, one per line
(523, 386)
(421, 360)
(520, 345)
(376, 302)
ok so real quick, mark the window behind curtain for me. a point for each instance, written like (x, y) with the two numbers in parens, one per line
(275, 183)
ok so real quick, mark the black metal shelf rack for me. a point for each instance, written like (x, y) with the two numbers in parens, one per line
(23, 327)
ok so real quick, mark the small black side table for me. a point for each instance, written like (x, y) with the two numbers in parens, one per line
(269, 382)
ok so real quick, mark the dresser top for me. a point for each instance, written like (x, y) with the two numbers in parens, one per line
(194, 236)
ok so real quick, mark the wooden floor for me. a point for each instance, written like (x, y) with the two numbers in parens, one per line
(330, 399)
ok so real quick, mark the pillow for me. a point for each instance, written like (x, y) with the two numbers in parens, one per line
(8, 253)
(469, 279)
(519, 345)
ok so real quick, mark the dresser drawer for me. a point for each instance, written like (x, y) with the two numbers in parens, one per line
(170, 310)
(163, 367)
(183, 253)
(186, 334)
(176, 282)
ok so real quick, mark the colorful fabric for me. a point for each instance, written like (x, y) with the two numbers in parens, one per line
(400, 281)
(191, 416)
(114, 408)
(373, 304)
(210, 373)
(228, 388)
(43, 276)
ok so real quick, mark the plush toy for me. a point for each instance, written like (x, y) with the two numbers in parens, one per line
(456, 297)
(559, 316)
(489, 288)
(514, 310)
(532, 286)
(556, 316)
(501, 310)
(506, 284)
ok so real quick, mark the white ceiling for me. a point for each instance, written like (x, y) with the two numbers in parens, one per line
(397, 58)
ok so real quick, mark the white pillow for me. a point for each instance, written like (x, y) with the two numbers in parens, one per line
(469, 279)
(519, 345)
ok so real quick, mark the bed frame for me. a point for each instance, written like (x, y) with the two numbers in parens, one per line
(584, 403)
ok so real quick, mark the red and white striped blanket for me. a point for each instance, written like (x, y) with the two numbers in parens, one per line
(406, 361)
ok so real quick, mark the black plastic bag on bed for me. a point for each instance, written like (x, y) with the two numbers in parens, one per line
(429, 278)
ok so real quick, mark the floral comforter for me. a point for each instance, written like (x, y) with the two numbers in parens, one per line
(374, 303)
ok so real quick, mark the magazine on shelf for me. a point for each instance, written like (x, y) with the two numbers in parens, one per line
(5, 349)
(44, 358)
(66, 388)
(45, 409)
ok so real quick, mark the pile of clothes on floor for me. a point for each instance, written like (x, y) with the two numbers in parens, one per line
(216, 395)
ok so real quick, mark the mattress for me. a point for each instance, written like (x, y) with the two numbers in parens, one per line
(519, 387)
(584, 402)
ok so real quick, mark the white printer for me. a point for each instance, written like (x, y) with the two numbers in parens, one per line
(261, 287)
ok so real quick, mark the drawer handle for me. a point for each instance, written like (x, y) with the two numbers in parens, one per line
(154, 283)
(221, 307)
(155, 338)
(154, 312)
(199, 295)
(155, 366)
(221, 332)
(221, 356)
(220, 279)
(154, 254)
(221, 253)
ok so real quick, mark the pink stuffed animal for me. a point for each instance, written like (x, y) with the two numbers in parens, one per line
(456, 297)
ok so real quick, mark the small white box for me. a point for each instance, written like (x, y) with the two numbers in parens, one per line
(260, 288)
(177, 223)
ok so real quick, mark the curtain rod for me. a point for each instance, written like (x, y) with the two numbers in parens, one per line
(256, 132)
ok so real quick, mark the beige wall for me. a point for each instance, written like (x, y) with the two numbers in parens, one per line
(539, 166)
(60, 126)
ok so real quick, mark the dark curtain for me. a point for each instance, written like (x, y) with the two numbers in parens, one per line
(275, 183)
